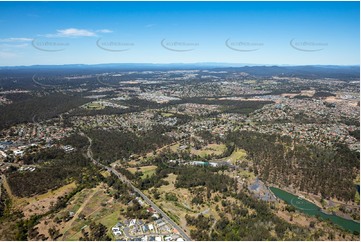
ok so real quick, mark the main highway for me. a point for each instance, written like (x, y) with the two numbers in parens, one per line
(146, 199)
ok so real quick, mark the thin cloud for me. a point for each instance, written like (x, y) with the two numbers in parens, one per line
(16, 40)
(7, 55)
(105, 31)
(150, 25)
(74, 32)
(23, 45)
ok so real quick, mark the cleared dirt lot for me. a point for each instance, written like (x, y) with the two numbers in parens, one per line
(89, 205)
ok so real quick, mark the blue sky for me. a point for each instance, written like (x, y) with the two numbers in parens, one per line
(294, 33)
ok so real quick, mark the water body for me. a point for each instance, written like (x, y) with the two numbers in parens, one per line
(311, 209)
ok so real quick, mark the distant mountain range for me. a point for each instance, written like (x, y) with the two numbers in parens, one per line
(178, 65)
(306, 71)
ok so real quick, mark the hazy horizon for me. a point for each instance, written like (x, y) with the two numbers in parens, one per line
(215, 64)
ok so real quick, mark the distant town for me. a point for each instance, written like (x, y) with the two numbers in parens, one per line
(178, 155)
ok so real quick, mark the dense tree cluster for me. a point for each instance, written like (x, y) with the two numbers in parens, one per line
(170, 196)
(120, 190)
(98, 232)
(56, 172)
(76, 140)
(187, 176)
(309, 168)
(28, 110)
(198, 176)
(156, 180)
(135, 210)
(202, 225)
(80, 111)
(239, 224)
(356, 134)
(230, 106)
(25, 228)
(44, 155)
(4, 202)
(323, 94)
(112, 145)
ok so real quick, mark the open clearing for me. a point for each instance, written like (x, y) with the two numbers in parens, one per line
(174, 147)
(42, 203)
(210, 149)
(333, 99)
(88, 205)
(167, 114)
(146, 170)
(236, 156)
(94, 106)
(37, 204)
(177, 210)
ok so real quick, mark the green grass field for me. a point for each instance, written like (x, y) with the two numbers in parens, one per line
(167, 115)
(237, 155)
(211, 149)
(96, 205)
(94, 106)
(146, 170)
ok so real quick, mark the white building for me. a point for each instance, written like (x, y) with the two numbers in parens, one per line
(116, 231)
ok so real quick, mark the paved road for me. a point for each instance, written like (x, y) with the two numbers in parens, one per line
(146, 199)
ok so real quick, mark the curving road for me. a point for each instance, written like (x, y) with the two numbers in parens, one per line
(146, 199)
